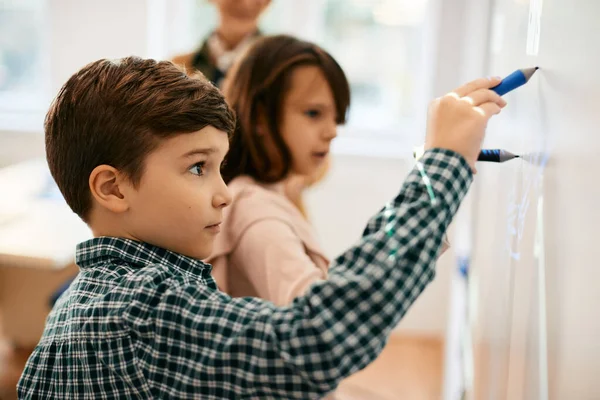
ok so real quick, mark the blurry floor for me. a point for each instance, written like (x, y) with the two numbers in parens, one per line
(410, 368)
(12, 362)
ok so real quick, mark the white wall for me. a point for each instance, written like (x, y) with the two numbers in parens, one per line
(84, 31)
(19, 146)
(79, 32)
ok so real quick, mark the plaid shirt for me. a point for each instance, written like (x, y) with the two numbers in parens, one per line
(142, 322)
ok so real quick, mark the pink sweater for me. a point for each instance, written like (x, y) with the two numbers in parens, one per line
(266, 247)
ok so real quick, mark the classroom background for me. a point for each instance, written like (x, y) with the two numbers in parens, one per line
(512, 313)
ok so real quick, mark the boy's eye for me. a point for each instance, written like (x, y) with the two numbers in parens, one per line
(198, 168)
(312, 113)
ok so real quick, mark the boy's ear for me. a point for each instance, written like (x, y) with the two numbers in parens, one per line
(107, 187)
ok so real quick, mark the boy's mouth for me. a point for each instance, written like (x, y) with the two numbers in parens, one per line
(214, 228)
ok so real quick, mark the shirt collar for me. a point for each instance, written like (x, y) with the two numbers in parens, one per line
(224, 57)
(142, 254)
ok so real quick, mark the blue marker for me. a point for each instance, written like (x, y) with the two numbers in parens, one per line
(495, 155)
(514, 80)
(489, 155)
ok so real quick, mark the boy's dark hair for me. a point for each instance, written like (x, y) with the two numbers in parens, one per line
(115, 112)
(257, 83)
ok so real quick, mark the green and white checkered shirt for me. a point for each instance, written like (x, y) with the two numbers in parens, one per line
(141, 322)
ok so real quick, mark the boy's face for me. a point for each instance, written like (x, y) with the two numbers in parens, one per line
(244, 10)
(179, 202)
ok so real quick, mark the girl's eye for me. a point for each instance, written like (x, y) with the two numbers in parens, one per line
(198, 169)
(312, 113)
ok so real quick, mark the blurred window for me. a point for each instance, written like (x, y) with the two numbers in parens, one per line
(379, 43)
(23, 73)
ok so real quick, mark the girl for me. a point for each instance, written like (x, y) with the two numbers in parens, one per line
(289, 96)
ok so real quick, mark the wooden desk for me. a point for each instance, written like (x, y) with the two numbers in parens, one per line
(38, 235)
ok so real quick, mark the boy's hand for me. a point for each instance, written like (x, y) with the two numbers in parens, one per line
(457, 121)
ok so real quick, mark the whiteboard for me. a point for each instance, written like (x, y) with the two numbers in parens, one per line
(535, 284)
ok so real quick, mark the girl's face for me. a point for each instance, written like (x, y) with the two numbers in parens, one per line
(308, 120)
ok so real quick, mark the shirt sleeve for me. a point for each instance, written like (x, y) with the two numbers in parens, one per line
(410, 194)
(273, 259)
(200, 342)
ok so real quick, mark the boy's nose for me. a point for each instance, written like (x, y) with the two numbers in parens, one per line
(223, 197)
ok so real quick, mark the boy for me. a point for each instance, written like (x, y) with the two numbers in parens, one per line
(135, 147)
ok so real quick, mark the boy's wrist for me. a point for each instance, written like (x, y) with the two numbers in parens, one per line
(448, 172)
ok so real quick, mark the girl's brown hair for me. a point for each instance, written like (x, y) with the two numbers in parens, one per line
(257, 85)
